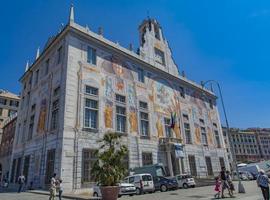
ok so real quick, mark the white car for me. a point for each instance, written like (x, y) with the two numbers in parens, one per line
(143, 182)
(185, 181)
(125, 189)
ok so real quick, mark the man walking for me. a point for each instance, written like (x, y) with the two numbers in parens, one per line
(263, 183)
(21, 181)
(53, 187)
(224, 182)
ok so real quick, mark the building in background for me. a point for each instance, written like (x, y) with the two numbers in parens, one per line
(82, 85)
(9, 104)
(251, 145)
(6, 145)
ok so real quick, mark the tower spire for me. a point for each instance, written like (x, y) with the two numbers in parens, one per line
(27, 66)
(71, 14)
(37, 55)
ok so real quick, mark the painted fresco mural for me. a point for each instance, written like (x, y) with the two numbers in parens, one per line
(162, 95)
(42, 116)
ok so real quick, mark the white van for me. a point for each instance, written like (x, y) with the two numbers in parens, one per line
(143, 183)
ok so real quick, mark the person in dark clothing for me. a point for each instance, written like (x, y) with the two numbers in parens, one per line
(21, 181)
(224, 182)
(263, 183)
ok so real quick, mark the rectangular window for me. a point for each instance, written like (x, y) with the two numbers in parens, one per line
(185, 117)
(11, 112)
(209, 166)
(36, 76)
(88, 160)
(147, 158)
(167, 125)
(159, 56)
(47, 65)
(143, 105)
(144, 124)
(204, 136)
(120, 119)
(120, 98)
(91, 56)
(50, 165)
(3, 101)
(141, 75)
(33, 107)
(55, 115)
(192, 165)
(59, 54)
(91, 90)
(217, 139)
(187, 133)
(222, 162)
(1, 111)
(201, 121)
(211, 103)
(182, 92)
(91, 113)
(31, 127)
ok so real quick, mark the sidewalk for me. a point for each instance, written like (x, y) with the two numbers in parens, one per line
(67, 196)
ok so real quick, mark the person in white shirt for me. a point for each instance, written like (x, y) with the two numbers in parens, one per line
(21, 181)
(53, 187)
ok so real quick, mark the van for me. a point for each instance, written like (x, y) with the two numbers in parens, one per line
(143, 183)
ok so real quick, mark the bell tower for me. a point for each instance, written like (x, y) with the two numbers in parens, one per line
(154, 47)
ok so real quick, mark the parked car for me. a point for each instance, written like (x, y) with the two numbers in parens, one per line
(185, 181)
(125, 189)
(242, 175)
(143, 183)
(163, 184)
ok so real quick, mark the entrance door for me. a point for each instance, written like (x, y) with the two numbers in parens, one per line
(26, 167)
(50, 165)
(209, 166)
(192, 165)
(18, 169)
(175, 164)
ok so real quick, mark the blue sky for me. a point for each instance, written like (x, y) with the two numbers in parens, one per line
(228, 41)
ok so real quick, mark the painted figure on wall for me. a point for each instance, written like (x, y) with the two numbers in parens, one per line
(197, 134)
(159, 127)
(42, 116)
(131, 96)
(210, 136)
(133, 121)
(108, 87)
(108, 115)
(162, 93)
(119, 84)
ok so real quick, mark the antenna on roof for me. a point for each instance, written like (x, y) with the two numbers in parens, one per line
(37, 55)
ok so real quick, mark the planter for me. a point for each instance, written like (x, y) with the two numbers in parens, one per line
(109, 192)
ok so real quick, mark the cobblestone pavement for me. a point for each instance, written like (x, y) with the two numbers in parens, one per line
(200, 193)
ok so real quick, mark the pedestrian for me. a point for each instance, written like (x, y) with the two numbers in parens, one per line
(224, 182)
(53, 187)
(218, 187)
(21, 181)
(263, 183)
(60, 188)
(230, 182)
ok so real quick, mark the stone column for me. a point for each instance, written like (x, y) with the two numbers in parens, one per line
(169, 160)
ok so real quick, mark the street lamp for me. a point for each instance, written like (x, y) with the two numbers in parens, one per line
(241, 188)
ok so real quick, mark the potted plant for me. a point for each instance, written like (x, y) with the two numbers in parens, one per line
(108, 170)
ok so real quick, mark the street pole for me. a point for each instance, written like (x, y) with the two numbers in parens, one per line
(241, 188)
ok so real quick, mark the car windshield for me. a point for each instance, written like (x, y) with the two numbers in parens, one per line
(147, 178)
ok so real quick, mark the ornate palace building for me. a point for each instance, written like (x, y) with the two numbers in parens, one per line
(82, 85)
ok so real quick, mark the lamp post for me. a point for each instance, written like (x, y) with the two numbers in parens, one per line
(241, 188)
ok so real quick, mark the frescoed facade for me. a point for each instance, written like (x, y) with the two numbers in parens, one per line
(83, 85)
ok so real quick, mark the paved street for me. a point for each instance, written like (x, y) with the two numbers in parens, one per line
(201, 193)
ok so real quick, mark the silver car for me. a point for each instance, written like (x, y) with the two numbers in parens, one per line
(125, 189)
(185, 181)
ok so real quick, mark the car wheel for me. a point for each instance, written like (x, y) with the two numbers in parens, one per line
(185, 186)
(95, 194)
(163, 188)
(131, 195)
(119, 195)
(138, 191)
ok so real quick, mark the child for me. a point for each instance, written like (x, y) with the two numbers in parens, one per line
(60, 188)
(217, 187)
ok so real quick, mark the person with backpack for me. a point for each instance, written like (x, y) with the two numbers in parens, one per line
(263, 183)
(224, 182)
(21, 181)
